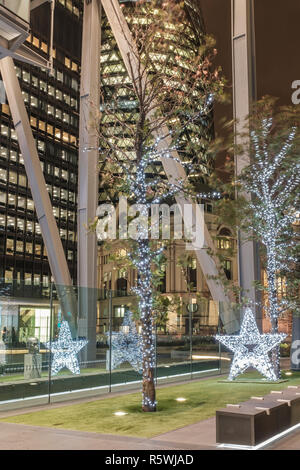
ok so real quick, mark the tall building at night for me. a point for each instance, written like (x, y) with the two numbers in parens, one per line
(52, 102)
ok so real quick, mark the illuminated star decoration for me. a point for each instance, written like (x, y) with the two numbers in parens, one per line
(65, 350)
(251, 348)
(126, 345)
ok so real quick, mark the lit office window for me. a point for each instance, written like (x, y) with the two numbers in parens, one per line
(3, 153)
(9, 246)
(4, 130)
(34, 81)
(33, 101)
(2, 198)
(26, 76)
(43, 86)
(11, 202)
(3, 175)
(28, 248)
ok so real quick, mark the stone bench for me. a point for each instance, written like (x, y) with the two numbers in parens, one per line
(258, 419)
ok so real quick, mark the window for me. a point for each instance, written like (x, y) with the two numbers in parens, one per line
(3, 175)
(36, 42)
(3, 152)
(58, 95)
(26, 76)
(58, 113)
(11, 201)
(119, 311)
(42, 125)
(49, 129)
(43, 86)
(20, 225)
(73, 103)
(23, 180)
(67, 62)
(51, 90)
(228, 268)
(34, 81)
(44, 47)
(27, 279)
(25, 96)
(4, 130)
(67, 99)
(13, 177)
(9, 246)
(33, 101)
(66, 118)
(59, 76)
(2, 198)
(13, 134)
(19, 246)
(33, 121)
(50, 110)
(28, 248)
(74, 84)
(41, 144)
(14, 156)
(21, 202)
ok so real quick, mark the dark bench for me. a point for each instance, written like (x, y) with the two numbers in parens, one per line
(256, 420)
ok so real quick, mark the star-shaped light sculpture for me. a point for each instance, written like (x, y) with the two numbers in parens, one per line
(251, 348)
(126, 345)
(65, 350)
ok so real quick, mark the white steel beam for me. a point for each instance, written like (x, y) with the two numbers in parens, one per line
(88, 172)
(50, 233)
(174, 170)
(244, 93)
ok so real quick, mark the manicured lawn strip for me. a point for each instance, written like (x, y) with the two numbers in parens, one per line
(203, 398)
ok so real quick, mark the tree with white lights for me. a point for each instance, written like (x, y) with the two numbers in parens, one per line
(174, 88)
(273, 180)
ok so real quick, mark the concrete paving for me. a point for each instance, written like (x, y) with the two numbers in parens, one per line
(198, 436)
(21, 437)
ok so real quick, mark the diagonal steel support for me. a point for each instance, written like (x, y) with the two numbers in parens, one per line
(50, 233)
(173, 168)
(244, 93)
(88, 171)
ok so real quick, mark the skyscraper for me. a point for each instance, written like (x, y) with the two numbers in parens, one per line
(52, 102)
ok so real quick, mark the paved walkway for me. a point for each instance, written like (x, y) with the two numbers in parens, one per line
(199, 436)
(21, 437)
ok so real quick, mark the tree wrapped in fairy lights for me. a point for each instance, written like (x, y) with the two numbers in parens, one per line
(273, 180)
(174, 87)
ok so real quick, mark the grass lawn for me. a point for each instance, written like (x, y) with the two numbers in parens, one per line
(203, 398)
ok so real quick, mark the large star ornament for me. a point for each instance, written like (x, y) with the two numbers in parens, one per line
(251, 348)
(65, 350)
(126, 345)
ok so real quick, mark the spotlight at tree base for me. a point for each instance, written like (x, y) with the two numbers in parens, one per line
(251, 348)
(65, 350)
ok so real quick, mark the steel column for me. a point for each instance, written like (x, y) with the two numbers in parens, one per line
(50, 233)
(88, 173)
(244, 93)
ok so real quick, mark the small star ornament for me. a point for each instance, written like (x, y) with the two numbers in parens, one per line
(65, 350)
(126, 345)
(251, 348)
